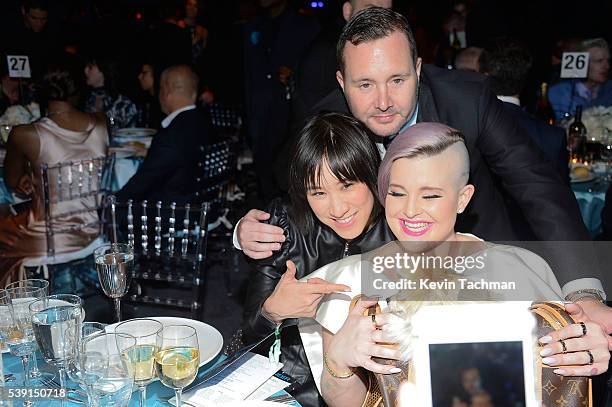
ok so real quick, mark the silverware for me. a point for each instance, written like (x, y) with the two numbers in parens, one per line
(77, 392)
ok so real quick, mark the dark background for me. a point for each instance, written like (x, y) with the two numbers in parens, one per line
(121, 28)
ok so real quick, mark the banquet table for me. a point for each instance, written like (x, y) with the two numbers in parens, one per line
(591, 197)
(129, 147)
(157, 394)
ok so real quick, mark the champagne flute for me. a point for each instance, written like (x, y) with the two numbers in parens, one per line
(20, 337)
(115, 263)
(105, 369)
(56, 320)
(37, 378)
(142, 356)
(179, 358)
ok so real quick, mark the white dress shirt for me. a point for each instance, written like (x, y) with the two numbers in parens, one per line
(166, 122)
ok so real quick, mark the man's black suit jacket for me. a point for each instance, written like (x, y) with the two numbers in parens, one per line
(550, 139)
(502, 156)
(169, 171)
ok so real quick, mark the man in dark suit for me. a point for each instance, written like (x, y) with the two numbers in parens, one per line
(384, 85)
(507, 63)
(168, 172)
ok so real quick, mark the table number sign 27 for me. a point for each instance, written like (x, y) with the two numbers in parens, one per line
(574, 64)
(18, 66)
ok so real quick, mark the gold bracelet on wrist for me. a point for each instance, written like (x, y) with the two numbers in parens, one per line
(332, 373)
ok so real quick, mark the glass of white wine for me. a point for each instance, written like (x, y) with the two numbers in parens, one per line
(115, 264)
(142, 356)
(37, 377)
(179, 358)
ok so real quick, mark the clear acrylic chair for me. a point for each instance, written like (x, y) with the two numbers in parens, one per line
(72, 190)
(170, 251)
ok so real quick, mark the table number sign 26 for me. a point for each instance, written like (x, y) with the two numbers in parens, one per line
(18, 66)
(574, 64)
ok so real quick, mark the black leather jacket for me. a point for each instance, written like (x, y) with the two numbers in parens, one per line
(309, 252)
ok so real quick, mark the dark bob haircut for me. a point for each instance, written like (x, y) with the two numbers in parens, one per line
(60, 83)
(370, 24)
(346, 146)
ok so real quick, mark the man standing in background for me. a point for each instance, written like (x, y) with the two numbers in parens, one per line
(274, 44)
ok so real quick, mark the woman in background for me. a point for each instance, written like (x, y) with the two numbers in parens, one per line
(65, 134)
(102, 77)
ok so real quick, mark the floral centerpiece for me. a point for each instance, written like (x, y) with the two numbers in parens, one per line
(598, 122)
(16, 115)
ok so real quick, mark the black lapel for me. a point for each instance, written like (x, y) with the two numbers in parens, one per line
(427, 104)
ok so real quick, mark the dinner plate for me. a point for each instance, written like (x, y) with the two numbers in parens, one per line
(135, 132)
(590, 177)
(210, 340)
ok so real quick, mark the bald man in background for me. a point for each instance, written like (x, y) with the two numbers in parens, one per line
(168, 172)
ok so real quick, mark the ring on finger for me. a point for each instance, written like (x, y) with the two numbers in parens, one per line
(563, 346)
(584, 328)
(591, 359)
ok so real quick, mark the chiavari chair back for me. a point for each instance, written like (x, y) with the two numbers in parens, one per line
(169, 244)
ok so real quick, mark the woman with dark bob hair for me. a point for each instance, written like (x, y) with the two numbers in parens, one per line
(334, 213)
(64, 134)
(102, 76)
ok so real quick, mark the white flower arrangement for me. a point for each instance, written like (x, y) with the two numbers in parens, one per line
(16, 115)
(598, 123)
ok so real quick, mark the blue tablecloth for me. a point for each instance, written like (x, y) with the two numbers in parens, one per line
(591, 197)
(6, 197)
(157, 394)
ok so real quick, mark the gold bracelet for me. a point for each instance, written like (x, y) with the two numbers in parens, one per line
(331, 372)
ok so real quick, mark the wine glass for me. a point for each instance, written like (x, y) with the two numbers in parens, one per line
(142, 356)
(20, 336)
(6, 322)
(37, 378)
(179, 358)
(105, 371)
(115, 263)
(56, 320)
(88, 330)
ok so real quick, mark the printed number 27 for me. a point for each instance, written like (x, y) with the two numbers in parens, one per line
(15, 63)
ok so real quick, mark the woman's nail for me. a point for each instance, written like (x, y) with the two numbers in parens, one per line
(545, 339)
(546, 352)
(549, 361)
(560, 372)
(395, 370)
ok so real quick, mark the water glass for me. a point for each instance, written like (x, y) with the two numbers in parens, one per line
(105, 370)
(179, 358)
(37, 378)
(142, 356)
(115, 264)
(56, 320)
(88, 330)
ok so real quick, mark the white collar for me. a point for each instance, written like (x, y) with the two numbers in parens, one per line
(166, 122)
(510, 99)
